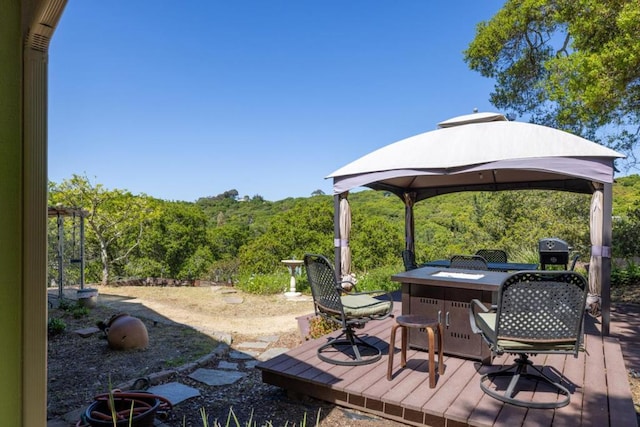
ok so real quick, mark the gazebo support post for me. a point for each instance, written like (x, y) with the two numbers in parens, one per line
(409, 226)
(605, 271)
(336, 235)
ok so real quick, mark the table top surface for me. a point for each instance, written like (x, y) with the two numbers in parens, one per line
(498, 266)
(452, 278)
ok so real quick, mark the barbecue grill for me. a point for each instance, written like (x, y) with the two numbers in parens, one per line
(553, 251)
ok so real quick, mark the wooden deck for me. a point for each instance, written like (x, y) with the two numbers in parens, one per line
(600, 393)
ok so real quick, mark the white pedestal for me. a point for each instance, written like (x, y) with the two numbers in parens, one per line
(292, 264)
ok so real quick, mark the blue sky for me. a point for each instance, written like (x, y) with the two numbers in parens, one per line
(181, 100)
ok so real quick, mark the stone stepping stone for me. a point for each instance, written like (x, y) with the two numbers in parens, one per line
(243, 355)
(216, 377)
(223, 364)
(254, 344)
(174, 392)
(269, 338)
(250, 364)
(87, 332)
(233, 300)
(271, 353)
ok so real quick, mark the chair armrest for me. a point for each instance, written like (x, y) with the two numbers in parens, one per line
(347, 289)
(474, 307)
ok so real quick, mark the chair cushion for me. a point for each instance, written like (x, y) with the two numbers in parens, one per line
(487, 322)
(364, 306)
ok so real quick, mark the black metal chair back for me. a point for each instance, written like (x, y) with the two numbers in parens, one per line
(493, 255)
(324, 286)
(468, 262)
(538, 312)
(542, 308)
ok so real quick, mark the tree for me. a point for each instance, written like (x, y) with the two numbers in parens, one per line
(317, 192)
(175, 232)
(116, 219)
(305, 227)
(569, 64)
(230, 194)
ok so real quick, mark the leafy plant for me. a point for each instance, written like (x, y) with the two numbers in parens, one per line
(628, 276)
(625, 282)
(65, 304)
(319, 327)
(379, 279)
(232, 420)
(74, 307)
(79, 311)
(55, 326)
(264, 283)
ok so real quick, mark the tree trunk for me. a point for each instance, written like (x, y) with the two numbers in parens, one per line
(105, 264)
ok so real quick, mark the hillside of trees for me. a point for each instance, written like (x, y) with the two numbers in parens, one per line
(225, 238)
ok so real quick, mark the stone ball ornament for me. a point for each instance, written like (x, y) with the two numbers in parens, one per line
(125, 332)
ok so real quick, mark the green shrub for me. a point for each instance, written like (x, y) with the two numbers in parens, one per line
(55, 326)
(264, 284)
(223, 271)
(65, 304)
(378, 279)
(79, 311)
(74, 308)
(525, 254)
(628, 276)
(319, 327)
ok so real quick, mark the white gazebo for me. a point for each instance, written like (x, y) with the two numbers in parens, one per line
(486, 152)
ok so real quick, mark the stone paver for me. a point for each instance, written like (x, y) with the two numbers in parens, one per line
(215, 377)
(223, 364)
(174, 392)
(87, 332)
(250, 364)
(243, 355)
(254, 344)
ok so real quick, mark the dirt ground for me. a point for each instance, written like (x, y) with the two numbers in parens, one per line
(185, 324)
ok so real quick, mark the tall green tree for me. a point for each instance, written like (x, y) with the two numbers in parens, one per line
(306, 227)
(569, 64)
(176, 232)
(116, 220)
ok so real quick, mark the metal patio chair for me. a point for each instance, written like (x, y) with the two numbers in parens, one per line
(538, 312)
(493, 255)
(349, 309)
(469, 262)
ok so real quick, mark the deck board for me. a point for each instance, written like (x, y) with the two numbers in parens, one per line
(600, 393)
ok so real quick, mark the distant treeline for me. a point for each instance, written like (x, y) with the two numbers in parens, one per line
(223, 237)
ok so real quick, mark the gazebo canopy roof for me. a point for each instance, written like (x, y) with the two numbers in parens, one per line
(481, 151)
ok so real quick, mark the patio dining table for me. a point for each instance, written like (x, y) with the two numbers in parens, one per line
(494, 266)
(444, 294)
